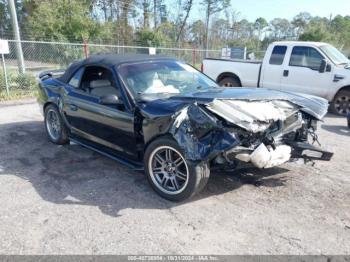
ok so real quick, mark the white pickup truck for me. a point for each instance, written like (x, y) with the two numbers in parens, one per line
(306, 67)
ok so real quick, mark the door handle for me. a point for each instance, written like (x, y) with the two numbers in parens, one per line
(285, 73)
(73, 107)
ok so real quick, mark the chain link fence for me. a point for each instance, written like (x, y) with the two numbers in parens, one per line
(39, 56)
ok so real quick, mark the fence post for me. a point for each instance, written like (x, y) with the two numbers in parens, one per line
(19, 51)
(5, 74)
(194, 56)
(86, 49)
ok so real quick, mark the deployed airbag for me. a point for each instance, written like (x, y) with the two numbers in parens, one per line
(262, 157)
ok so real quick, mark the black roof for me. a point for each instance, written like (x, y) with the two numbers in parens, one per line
(108, 60)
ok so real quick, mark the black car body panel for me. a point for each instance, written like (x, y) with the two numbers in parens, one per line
(203, 134)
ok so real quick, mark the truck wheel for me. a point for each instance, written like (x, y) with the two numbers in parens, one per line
(55, 128)
(170, 174)
(229, 82)
(341, 103)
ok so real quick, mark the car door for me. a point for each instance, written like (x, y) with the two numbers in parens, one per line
(272, 70)
(301, 73)
(107, 125)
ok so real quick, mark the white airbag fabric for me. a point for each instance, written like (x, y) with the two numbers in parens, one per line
(262, 157)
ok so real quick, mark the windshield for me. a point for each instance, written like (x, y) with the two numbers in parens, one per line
(161, 78)
(334, 54)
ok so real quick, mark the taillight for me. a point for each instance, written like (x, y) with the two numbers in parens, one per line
(202, 68)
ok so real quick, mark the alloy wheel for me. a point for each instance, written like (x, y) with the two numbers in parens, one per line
(53, 124)
(168, 170)
(342, 104)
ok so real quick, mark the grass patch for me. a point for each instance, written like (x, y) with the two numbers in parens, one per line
(17, 94)
(20, 86)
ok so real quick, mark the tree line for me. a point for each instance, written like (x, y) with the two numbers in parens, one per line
(165, 23)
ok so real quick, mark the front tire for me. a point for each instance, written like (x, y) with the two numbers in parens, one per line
(170, 174)
(56, 130)
(341, 103)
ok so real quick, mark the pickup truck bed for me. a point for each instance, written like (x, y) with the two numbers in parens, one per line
(221, 71)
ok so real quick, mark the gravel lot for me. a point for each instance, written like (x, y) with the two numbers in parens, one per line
(69, 200)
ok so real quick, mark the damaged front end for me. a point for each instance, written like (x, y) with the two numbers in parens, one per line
(230, 132)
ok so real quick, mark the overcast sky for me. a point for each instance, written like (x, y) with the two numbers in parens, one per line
(269, 9)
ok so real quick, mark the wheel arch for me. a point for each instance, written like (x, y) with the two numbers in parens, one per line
(344, 88)
(47, 104)
(54, 103)
(150, 141)
(332, 107)
(228, 74)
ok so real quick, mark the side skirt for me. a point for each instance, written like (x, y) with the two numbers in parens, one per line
(129, 163)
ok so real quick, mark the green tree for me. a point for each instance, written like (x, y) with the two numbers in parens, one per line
(63, 20)
(147, 37)
(186, 9)
(196, 33)
(4, 19)
(281, 29)
(260, 25)
(317, 34)
(317, 30)
(300, 21)
(6, 30)
(212, 7)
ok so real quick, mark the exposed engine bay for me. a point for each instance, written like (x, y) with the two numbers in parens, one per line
(263, 133)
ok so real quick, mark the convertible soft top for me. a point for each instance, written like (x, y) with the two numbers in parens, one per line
(109, 60)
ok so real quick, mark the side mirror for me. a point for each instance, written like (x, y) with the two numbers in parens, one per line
(110, 100)
(323, 66)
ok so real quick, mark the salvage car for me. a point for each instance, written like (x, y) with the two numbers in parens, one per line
(165, 117)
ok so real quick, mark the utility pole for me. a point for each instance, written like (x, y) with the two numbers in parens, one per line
(208, 12)
(155, 13)
(19, 53)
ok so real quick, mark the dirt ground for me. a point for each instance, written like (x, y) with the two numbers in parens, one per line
(70, 200)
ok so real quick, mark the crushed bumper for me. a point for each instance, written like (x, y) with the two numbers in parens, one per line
(224, 133)
(266, 157)
(308, 151)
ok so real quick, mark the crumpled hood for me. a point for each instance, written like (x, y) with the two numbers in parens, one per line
(192, 118)
(312, 105)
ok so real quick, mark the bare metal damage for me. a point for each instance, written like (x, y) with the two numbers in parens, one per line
(254, 116)
(224, 131)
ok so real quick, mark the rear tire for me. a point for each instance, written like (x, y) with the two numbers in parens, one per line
(341, 103)
(170, 174)
(229, 82)
(56, 130)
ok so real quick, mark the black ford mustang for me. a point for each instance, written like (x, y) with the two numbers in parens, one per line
(162, 115)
